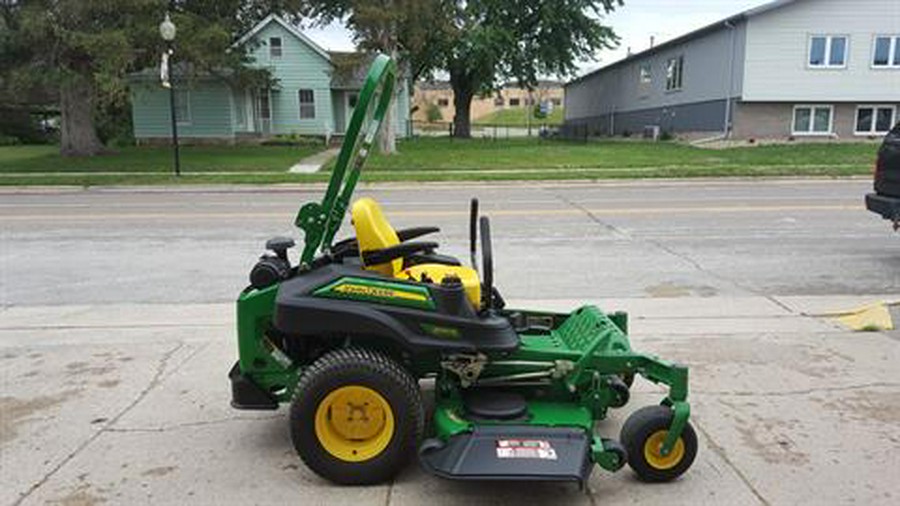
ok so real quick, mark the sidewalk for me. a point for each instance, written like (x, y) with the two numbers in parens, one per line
(314, 162)
(129, 404)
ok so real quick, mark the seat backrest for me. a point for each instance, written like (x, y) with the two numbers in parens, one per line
(373, 232)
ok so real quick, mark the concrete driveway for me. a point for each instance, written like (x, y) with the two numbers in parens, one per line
(116, 335)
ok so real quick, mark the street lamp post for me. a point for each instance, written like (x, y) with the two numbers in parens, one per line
(167, 31)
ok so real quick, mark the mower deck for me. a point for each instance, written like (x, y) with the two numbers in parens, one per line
(511, 452)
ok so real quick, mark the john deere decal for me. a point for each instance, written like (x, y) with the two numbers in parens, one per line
(385, 292)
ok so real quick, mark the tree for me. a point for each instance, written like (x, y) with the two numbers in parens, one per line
(80, 51)
(492, 40)
(409, 31)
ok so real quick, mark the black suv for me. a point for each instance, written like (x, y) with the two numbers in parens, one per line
(886, 199)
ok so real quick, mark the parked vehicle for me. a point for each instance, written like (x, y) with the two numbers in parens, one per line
(886, 199)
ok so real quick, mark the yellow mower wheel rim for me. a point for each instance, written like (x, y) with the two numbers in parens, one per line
(654, 457)
(354, 423)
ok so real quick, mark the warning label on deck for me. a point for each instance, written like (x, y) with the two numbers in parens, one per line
(525, 449)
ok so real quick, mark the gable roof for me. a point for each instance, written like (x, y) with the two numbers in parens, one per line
(287, 26)
(718, 25)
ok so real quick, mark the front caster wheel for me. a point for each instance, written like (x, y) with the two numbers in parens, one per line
(356, 417)
(643, 435)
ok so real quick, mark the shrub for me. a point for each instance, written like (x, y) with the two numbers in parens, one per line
(294, 139)
(9, 140)
(433, 113)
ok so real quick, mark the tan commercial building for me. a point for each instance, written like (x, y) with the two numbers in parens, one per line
(433, 100)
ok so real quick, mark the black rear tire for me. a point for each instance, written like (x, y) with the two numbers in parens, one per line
(355, 367)
(638, 433)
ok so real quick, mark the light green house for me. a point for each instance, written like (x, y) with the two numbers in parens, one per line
(311, 97)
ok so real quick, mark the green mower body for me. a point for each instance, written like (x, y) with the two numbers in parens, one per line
(347, 334)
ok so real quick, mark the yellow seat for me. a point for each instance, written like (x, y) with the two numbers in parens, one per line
(374, 232)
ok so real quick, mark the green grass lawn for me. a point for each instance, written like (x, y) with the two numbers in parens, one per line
(529, 154)
(31, 159)
(517, 117)
(442, 159)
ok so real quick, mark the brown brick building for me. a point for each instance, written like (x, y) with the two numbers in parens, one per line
(439, 95)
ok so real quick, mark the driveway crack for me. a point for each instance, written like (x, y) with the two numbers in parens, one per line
(154, 381)
(718, 450)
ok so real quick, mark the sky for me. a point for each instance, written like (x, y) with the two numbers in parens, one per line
(635, 23)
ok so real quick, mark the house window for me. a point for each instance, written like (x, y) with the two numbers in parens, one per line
(828, 51)
(274, 47)
(307, 104)
(886, 52)
(238, 100)
(812, 119)
(514, 102)
(874, 119)
(265, 111)
(498, 102)
(182, 106)
(646, 77)
(443, 102)
(351, 100)
(674, 73)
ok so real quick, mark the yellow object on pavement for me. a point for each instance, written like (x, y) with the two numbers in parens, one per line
(872, 317)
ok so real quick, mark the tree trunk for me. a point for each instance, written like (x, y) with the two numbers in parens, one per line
(387, 141)
(78, 136)
(462, 102)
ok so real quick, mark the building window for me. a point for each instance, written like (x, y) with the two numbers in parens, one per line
(443, 102)
(812, 119)
(514, 102)
(307, 104)
(498, 102)
(182, 106)
(874, 119)
(674, 73)
(265, 111)
(828, 51)
(238, 100)
(887, 51)
(646, 76)
(274, 47)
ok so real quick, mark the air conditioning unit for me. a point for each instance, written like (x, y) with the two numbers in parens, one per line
(651, 132)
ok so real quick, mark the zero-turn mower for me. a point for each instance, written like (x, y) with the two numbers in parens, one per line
(346, 334)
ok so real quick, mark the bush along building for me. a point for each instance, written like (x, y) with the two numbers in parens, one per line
(790, 69)
(314, 95)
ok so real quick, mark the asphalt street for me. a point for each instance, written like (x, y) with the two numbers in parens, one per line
(116, 333)
(704, 239)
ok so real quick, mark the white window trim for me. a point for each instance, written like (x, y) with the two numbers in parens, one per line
(828, 39)
(679, 76)
(301, 104)
(812, 118)
(187, 107)
(874, 108)
(281, 48)
(893, 50)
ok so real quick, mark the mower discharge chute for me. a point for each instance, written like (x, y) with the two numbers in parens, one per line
(346, 334)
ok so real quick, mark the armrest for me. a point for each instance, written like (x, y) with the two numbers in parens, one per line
(412, 233)
(385, 255)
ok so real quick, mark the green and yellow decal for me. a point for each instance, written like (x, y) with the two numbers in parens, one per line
(384, 292)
